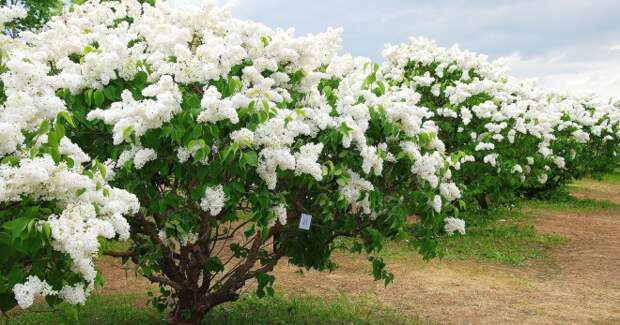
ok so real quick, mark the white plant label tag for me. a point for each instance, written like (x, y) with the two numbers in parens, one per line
(304, 222)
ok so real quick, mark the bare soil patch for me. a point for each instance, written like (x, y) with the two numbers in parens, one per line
(121, 278)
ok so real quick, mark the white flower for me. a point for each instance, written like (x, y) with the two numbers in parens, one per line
(74, 295)
(140, 116)
(352, 191)
(243, 137)
(26, 292)
(542, 179)
(75, 232)
(436, 203)
(581, 136)
(485, 146)
(559, 161)
(10, 138)
(10, 13)
(371, 160)
(449, 191)
(216, 109)
(530, 160)
(491, 159)
(183, 154)
(306, 160)
(453, 225)
(272, 159)
(143, 156)
(280, 213)
(214, 199)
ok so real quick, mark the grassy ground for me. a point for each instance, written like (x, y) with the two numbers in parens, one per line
(129, 309)
(504, 235)
(511, 239)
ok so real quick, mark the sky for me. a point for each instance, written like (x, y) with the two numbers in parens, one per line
(567, 45)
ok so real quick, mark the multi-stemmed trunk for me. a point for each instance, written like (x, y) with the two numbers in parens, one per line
(195, 291)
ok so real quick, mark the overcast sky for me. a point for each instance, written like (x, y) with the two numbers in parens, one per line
(566, 44)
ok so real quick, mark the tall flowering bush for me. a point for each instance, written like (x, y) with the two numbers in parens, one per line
(242, 144)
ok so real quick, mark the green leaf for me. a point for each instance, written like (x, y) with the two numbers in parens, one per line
(99, 97)
(140, 79)
(127, 132)
(198, 143)
(111, 92)
(342, 181)
(44, 127)
(88, 97)
(264, 281)
(250, 158)
(67, 117)
(46, 230)
(17, 227)
(265, 40)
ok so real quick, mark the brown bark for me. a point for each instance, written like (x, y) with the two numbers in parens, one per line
(482, 201)
(186, 311)
(194, 298)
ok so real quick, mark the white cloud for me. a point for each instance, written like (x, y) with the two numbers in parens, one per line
(600, 77)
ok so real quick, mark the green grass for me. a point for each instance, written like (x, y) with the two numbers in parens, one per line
(611, 178)
(507, 236)
(573, 205)
(102, 310)
(506, 242)
(504, 236)
(129, 309)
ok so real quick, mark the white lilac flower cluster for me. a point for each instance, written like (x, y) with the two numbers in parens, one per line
(11, 13)
(142, 115)
(453, 225)
(279, 212)
(26, 292)
(214, 200)
(176, 242)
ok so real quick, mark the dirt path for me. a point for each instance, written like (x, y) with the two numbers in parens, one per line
(578, 284)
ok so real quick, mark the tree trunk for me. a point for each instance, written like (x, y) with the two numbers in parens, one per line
(179, 320)
(482, 201)
(187, 311)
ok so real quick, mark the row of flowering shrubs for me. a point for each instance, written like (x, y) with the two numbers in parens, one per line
(512, 138)
(220, 146)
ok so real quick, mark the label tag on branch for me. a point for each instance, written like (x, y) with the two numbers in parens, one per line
(304, 222)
